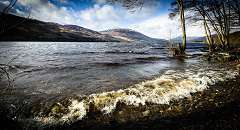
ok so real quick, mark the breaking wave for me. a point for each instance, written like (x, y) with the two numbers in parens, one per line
(172, 85)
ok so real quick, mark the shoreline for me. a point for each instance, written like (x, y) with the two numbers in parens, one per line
(217, 107)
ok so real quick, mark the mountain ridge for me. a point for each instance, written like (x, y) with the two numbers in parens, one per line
(35, 30)
(131, 35)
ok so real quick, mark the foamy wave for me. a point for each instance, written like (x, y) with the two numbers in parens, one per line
(172, 85)
(77, 109)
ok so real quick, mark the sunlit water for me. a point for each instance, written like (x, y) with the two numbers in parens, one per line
(104, 73)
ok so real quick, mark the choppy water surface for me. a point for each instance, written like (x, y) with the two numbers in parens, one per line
(82, 68)
(102, 74)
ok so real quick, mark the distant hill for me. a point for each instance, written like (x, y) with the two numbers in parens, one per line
(131, 36)
(22, 29)
(189, 39)
(234, 39)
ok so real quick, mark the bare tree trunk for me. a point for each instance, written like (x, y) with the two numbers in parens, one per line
(229, 24)
(215, 27)
(208, 35)
(183, 25)
(202, 11)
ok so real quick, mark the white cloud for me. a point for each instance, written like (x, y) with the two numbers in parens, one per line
(54, 14)
(98, 17)
(158, 27)
(29, 2)
(162, 26)
(46, 11)
(102, 17)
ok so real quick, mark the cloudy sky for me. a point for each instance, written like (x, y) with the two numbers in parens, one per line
(151, 20)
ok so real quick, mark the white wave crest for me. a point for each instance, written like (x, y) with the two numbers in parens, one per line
(77, 111)
(172, 85)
